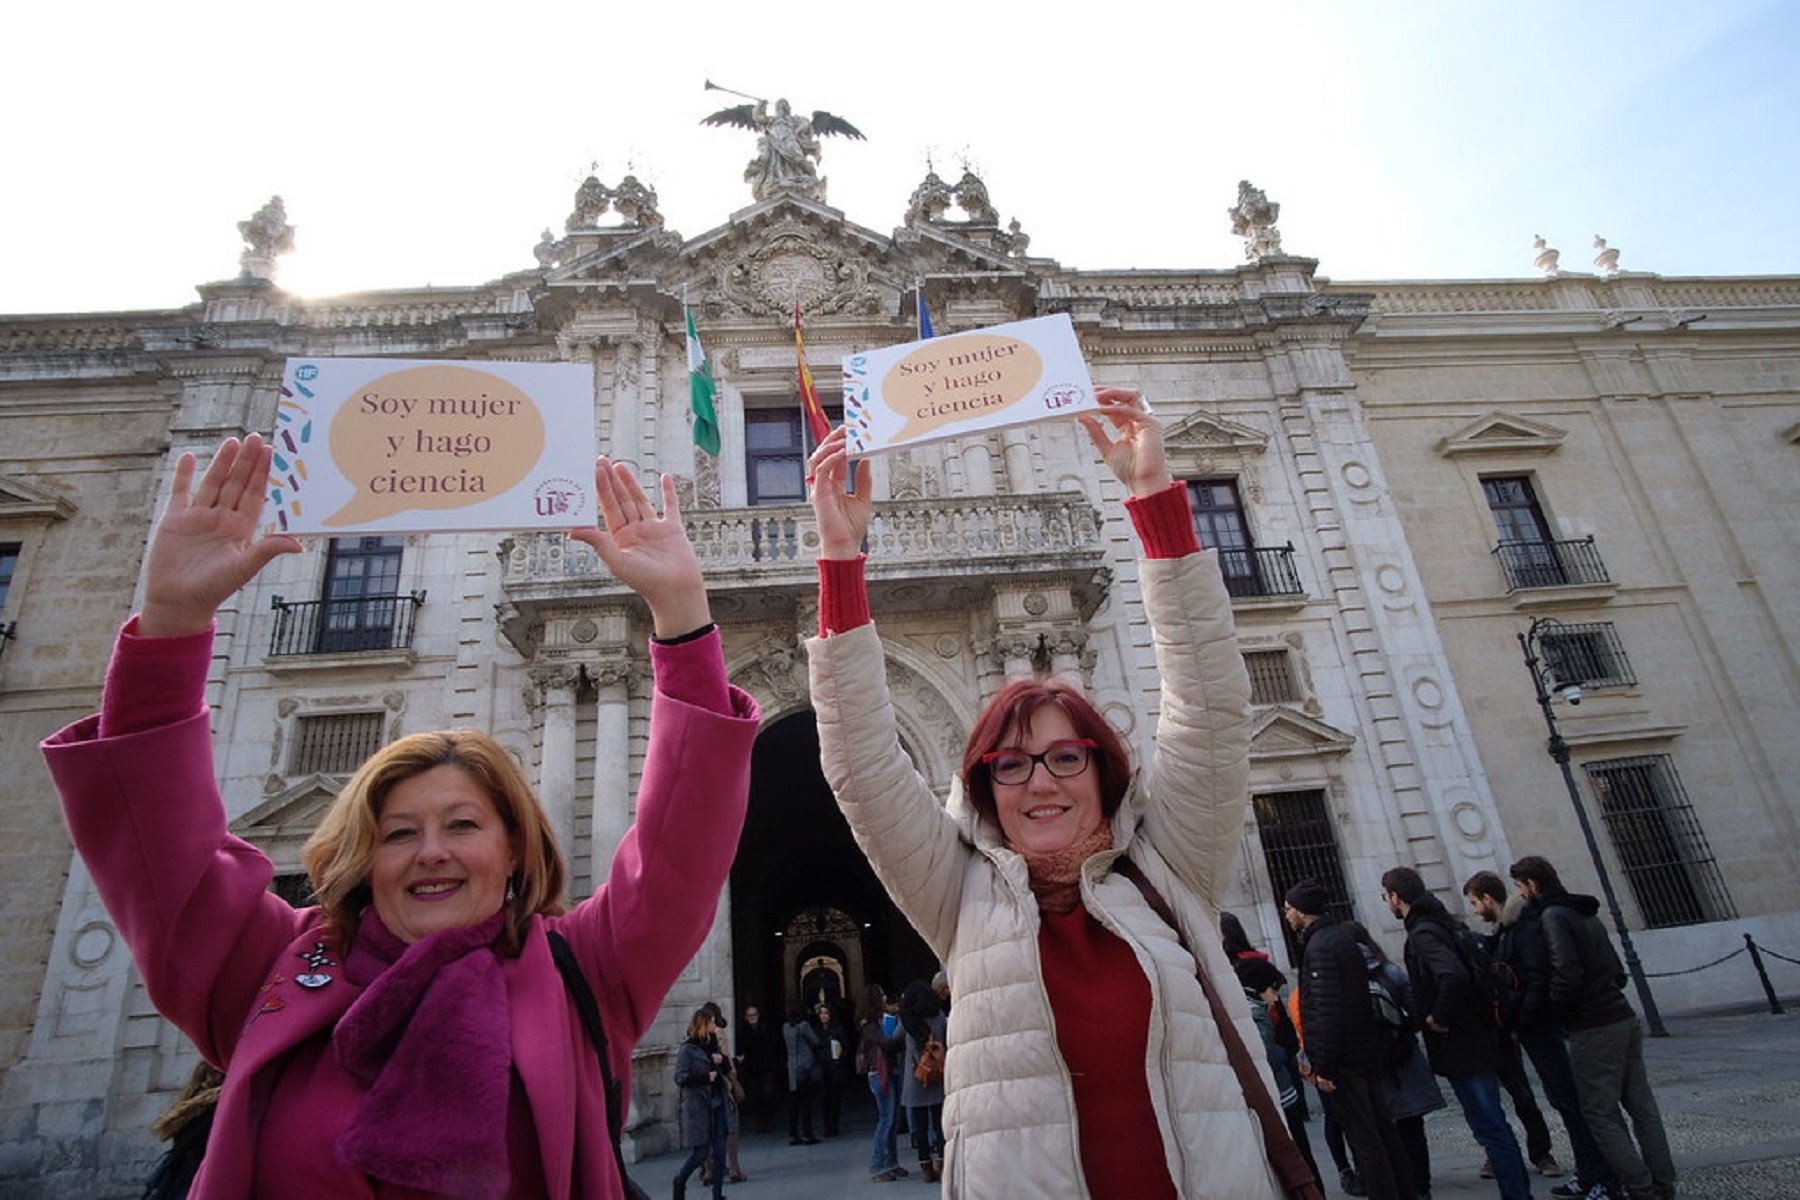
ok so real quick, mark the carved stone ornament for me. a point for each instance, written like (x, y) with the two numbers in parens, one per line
(636, 202)
(584, 631)
(592, 200)
(548, 251)
(1253, 219)
(972, 198)
(929, 200)
(1546, 257)
(267, 235)
(791, 267)
(1606, 258)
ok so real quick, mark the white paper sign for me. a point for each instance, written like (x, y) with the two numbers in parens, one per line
(964, 383)
(382, 445)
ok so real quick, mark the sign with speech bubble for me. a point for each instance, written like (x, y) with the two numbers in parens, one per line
(964, 383)
(381, 445)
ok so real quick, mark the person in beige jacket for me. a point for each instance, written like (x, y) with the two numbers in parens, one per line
(1083, 1057)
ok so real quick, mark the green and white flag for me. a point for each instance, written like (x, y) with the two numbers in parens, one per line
(700, 381)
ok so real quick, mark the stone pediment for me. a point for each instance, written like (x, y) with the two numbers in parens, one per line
(291, 813)
(1282, 733)
(1203, 432)
(790, 250)
(1498, 433)
(20, 500)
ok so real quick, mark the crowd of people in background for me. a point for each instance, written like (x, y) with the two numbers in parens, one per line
(1373, 1038)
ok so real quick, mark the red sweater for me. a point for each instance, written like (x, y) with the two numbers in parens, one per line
(1098, 993)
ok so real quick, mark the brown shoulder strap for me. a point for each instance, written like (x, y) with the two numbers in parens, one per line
(1290, 1165)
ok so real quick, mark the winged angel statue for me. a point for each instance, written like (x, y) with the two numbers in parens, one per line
(787, 145)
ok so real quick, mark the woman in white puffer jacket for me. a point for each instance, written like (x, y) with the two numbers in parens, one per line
(1083, 1060)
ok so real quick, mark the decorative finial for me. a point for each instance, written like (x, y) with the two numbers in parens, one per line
(1546, 257)
(1253, 219)
(266, 235)
(1608, 258)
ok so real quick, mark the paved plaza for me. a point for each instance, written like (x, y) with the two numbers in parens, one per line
(1729, 1086)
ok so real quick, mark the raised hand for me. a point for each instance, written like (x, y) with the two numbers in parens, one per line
(649, 554)
(1133, 450)
(843, 518)
(205, 547)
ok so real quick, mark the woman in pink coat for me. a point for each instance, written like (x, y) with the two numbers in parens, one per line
(410, 1036)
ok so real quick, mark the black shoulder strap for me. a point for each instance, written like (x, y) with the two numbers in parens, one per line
(589, 1010)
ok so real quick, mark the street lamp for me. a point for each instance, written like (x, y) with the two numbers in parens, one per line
(1544, 682)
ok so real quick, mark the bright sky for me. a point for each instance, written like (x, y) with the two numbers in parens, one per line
(431, 143)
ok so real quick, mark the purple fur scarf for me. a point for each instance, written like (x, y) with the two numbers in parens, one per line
(430, 1039)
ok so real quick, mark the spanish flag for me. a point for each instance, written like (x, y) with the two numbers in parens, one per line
(817, 423)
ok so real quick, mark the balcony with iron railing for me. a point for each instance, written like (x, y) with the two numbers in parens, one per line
(1571, 563)
(1262, 573)
(362, 629)
(922, 554)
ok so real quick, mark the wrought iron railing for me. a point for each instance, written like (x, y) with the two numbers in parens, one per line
(1568, 563)
(1261, 571)
(355, 625)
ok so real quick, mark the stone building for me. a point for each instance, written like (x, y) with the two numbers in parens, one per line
(1399, 476)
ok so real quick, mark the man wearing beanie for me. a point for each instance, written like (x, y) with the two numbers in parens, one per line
(1342, 1055)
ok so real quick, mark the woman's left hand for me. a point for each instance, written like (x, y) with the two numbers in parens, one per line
(648, 553)
(1134, 448)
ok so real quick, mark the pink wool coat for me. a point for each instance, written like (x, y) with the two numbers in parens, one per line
(218, 953)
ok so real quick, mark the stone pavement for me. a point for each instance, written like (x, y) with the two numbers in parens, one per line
(1728, 1084)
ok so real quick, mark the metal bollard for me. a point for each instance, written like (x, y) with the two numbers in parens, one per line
(1762, 974)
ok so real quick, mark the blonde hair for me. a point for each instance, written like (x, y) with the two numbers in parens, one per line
(338, 855)
(700, 1024)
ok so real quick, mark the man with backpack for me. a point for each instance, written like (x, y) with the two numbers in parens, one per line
(1521, 962)
(1456, 1004)
(1606, 1042)
(1338, 1041)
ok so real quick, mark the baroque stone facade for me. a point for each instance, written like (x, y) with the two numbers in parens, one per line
(1364, 453)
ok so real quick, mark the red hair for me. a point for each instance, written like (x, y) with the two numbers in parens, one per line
(1008, 715)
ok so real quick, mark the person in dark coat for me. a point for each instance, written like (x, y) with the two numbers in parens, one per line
(1412, 1088)
(1263, 982)
(1343, 1058)
(1606, 1041)
(762, 1065)
(703, 1100)
(1461, 1038)
(921, 1021)
(805, 1059)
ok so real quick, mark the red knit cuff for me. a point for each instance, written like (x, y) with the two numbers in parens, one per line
(843, 595)
(1164, 522)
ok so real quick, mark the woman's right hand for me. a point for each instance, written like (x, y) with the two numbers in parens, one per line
(843, 518)
(205, 547)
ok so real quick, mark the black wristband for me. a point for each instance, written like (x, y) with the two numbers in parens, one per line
(687, 637)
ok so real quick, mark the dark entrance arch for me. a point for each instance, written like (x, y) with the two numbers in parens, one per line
(799, 875)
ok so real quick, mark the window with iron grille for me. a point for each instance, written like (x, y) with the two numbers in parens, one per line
(336, 743)
(1271, 677)
(1659, 841)
(1298, 844)
(1589, 654)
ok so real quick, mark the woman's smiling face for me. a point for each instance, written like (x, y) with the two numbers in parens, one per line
(442, 855)
(1046, 813)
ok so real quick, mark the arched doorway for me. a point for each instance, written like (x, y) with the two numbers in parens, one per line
(807, 912)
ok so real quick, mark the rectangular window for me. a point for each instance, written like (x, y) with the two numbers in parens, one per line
(9, 562)
(1659, 841)
(1219, 520)
(1587, 655)
(335, 743)
(1526, 546)
(362, 594)
(1271, 677)
(1298, 843)
(775, 449)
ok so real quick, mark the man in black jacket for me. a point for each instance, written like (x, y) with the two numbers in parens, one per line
(1460, 1034)
(1518, 942)
(1606, 1042)
(1337, 1031)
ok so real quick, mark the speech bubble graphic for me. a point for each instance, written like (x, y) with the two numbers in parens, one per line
(952, 379)
(439, 437)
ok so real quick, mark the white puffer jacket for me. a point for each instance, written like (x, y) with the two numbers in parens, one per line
(1009, 1112)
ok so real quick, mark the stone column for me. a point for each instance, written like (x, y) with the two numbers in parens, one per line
(627, 404)
(554, 688)
(612, 763)
(1016, 446)
(978, 466)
